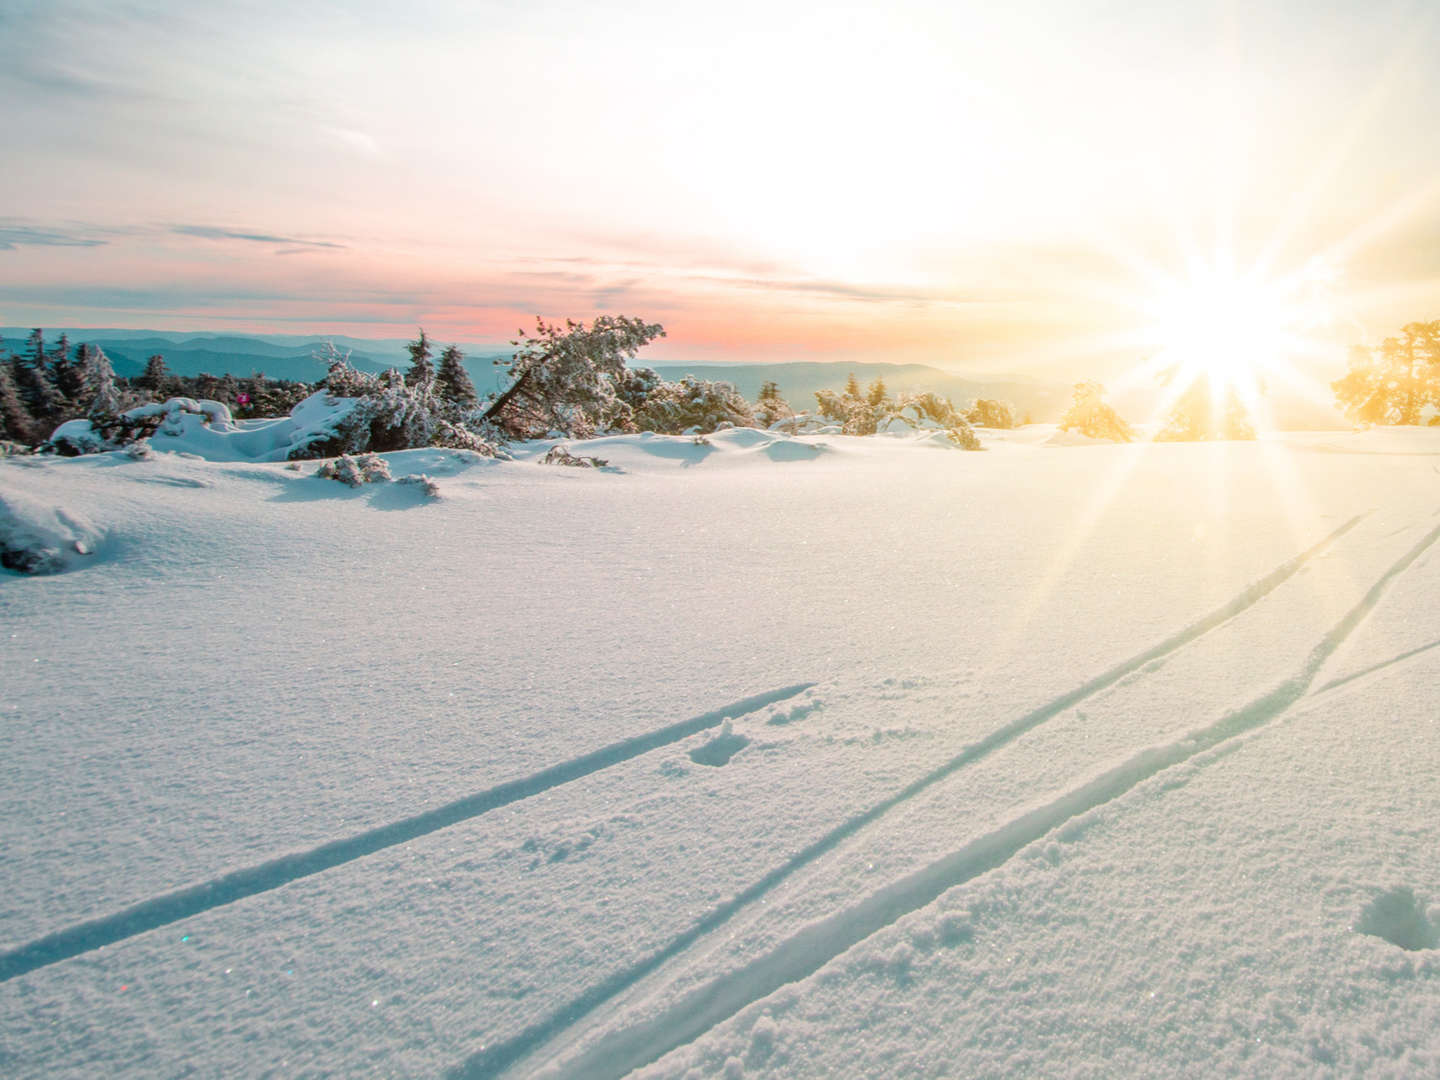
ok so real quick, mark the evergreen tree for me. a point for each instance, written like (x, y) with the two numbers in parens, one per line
(16, 423)
(1394, 384)
(987, 412)
(156, 377)
(32, 378)
(65, 372)
(770, 407)
(99, 392)
(852, 388)
(422, 368)
(1091, 416)
(877, 392)
(452, 381)
(1202, 412)
(566, 378)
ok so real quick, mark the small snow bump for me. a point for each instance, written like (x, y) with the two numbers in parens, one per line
(1400, 917)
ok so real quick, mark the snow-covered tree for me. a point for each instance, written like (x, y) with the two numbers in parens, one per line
(452, 381)
(1205, 412)
(422, 368)
(876, 394)
(770, 407)
(156, 377)
(691, 403)
(16, 423)
(565, 378)
(99, 393)
(1090, 416)
(987, 412)
(1394, 383)
(34, 382)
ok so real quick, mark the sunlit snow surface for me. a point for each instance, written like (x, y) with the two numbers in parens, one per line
(758, 756)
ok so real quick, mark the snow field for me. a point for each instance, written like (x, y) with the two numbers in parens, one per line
(892, 576)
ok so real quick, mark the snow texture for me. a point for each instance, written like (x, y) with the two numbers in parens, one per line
(762, 755)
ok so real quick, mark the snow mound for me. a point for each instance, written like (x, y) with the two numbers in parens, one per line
(206, 429)
(40, 539)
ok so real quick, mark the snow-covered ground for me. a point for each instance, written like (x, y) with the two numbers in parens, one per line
(811, 756)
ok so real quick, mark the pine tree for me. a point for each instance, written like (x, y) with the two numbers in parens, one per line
(1203, 413)
(32, 378)
(770, 407)
(65, 372)
(1091, 416)
(156, 377)
(877, 392)
(852, 388)
(98, 381)
(16, 423)
(452, 381)
(422, 368)
(566, 378)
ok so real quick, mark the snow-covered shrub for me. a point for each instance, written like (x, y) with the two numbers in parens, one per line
(76, 437)
(140, 450)
(354, 471)
(1201, 413)
(963, 436)
(854, 414)
(40, 539)
(987, 412)
(559, 455)
(770, 407)
(675, 407)
(12, 449)
(1092, 417)
(425, 483)
(378, 413)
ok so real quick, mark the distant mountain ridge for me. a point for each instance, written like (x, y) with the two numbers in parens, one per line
(294, 358)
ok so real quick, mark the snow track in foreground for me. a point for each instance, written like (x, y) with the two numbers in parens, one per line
(801, 955)
(252, 880)
(496, 1058)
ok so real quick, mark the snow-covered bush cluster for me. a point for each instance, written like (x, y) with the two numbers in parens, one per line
(357, 470)
(175, 418)
(560, 455)
(1090, 416)
(878, 413)
(354, 471)
(378, 413)
(672, 408)
(37, 538)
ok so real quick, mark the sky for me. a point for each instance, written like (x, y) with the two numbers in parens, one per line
(979, 186)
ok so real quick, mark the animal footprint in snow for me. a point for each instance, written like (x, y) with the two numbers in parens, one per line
(719, 750)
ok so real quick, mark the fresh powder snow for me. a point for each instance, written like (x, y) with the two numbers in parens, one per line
(744, 755)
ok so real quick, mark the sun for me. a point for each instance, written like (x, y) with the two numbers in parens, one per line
(1231, 329)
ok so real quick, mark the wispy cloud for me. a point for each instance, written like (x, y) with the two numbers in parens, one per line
(290, 243)
(15, 236)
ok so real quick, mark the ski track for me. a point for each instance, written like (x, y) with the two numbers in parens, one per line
(250, 881)
(804, 953)
(496, 1058)
(1335, 684)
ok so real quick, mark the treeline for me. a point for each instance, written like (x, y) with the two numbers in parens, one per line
(45, 385)
(569, 380)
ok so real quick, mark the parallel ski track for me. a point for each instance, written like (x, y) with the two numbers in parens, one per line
(804, 953)
(496, 1058)
(238, 884)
